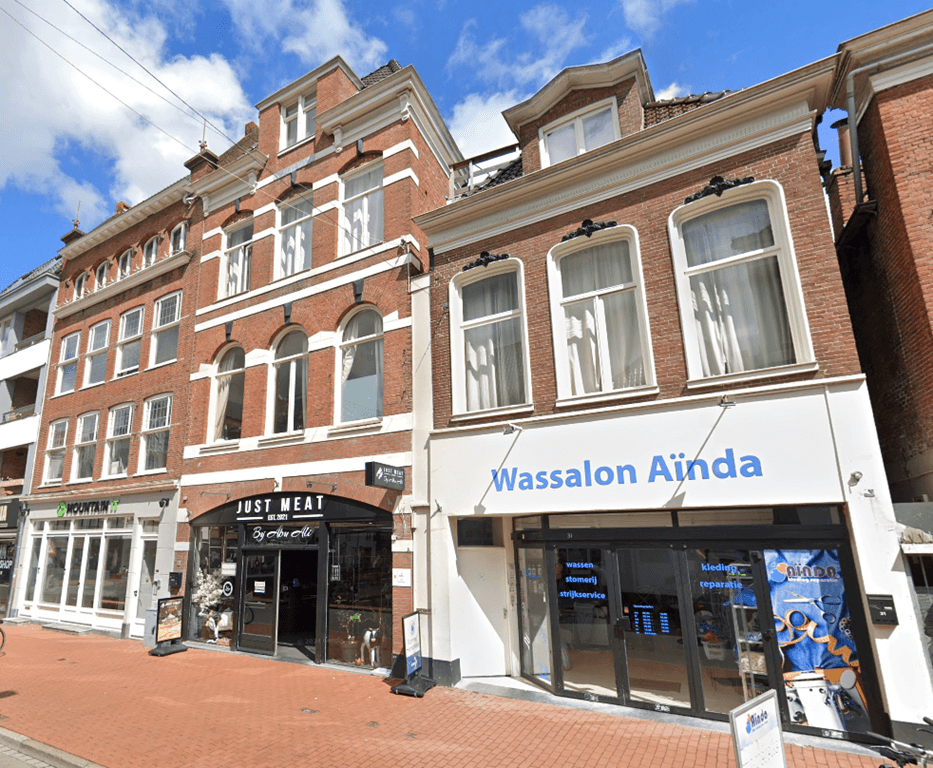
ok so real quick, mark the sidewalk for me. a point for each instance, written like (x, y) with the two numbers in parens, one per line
(108, 703)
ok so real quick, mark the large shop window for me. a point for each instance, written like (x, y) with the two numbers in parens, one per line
(290, 372)
(213, 605)
(363, 209)
(296, 229)
(600, 319)
(361, 367)
(359, 614)
(228, 395)
(488, 339)
(740, 298)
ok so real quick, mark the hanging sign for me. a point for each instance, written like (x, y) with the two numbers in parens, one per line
(756, 733)
(385, 476)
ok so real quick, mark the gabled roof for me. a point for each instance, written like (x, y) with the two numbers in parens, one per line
(389, 68)
(51, 268)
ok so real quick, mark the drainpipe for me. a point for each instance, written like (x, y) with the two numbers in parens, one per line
(850, 106)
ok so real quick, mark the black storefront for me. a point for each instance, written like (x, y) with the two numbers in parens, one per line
(662, 610)
(296, 575)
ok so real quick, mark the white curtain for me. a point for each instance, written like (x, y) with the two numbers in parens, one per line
(592, 270)
(493, 352)
(739, 310)
(362, 372)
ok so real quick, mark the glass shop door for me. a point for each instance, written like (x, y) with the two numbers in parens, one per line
(260, 602)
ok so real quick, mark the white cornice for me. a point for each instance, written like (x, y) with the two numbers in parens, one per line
(302, 84)
(231, 181)
(574, 78)
(400, 96)
(117, 224)
(117, 287)
(734, 124)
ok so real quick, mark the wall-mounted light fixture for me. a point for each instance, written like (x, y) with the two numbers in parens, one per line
(854, 478)
(510, 428)
(726, 401)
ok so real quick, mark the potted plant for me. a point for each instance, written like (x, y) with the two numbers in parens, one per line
(349, 644)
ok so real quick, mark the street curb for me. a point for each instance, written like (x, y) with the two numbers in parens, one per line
(40, 751)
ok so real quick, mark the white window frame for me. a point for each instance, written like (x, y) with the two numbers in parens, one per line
(94, 352)
(114, 437)
(7, 341)
(67, 359)
(577, 118)
(124, 340)
(343, 347)
(458, 328)
(100, 275)
(160, 328)
(80, 286)
(149, 432)
(282, 266)
(151, 252)
(235, 272)
(617, 234)
(125, 265)
(348, 243)
(56, 446)
(81, 445)
(215, 417)
(179, 238)
(773, 194)
(291, 361)
(299, 111)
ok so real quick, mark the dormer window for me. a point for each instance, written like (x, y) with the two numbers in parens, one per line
(582, 131)
(179, 236)
(298, 120)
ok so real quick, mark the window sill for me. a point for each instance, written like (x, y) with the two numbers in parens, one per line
(160, 471)
(221, 446)
(364, 425)
(94, 384)
(297, 145)
(125, 375)
(285, 438)
(162, 365)
(763, 373)
(493, 412)
(62, 394)
(114, 477)
(80, 481)
(606, 397)
(51, 484)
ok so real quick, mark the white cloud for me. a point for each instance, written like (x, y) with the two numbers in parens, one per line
(553, 33)
(646, 17)
(477, 124)
(673, 91)
(54, 115)
(313, 30)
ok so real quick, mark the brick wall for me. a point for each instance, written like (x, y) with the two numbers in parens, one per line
(791, 162)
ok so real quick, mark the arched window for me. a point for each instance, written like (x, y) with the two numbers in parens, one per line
(361, 374)
(291, 383)
(228, 388)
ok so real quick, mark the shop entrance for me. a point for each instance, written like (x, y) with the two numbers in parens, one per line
(697, 629)
(297, 602)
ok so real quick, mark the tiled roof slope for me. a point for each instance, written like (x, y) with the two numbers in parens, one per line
(381, 74)
(659, 111)
(513, 170)
(51, 267)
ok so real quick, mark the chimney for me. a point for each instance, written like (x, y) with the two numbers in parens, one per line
(845, 147)
(122, 207)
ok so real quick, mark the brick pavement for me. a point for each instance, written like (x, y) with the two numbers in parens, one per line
(109, 702)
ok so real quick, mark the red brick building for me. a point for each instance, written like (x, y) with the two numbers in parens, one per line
(651, 430)
(302, 367)
(104, 498)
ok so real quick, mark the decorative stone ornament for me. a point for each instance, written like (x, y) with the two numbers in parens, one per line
(717, 185)
(587, 228)
(485, 259)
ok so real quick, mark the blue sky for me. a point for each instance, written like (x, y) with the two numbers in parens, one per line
(66, 139)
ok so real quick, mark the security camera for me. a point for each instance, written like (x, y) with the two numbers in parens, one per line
(163, 503)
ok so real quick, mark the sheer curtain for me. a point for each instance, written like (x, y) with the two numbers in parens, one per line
(493, 351)
(603, 331)
(739, 309)
(362, 370)
(229, 404)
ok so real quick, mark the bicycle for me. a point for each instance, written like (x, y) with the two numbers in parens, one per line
(902, 753)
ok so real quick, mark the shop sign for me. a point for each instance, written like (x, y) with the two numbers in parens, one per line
(88, 508)
(385, 476)
(281, 507)
(169, 619)
(282, 536)
(756, 733)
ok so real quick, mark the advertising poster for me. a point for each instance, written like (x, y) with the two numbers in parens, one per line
(756, 733)
(168, 626)
(821, 671)
(412, 630)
